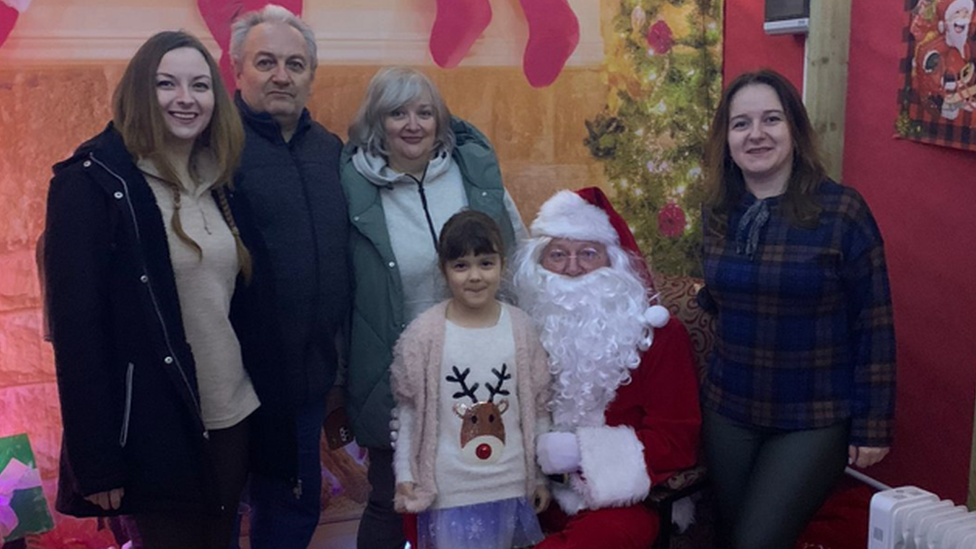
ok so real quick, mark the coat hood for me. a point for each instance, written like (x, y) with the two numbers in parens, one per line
(108, 144)
(377, 171)
(468, 140)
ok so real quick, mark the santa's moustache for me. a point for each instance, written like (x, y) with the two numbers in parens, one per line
(592, 327)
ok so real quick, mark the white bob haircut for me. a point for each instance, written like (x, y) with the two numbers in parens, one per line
(390, 89)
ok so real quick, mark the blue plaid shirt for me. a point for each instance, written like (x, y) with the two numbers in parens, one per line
(804, 332)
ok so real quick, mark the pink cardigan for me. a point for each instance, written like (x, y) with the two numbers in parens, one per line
(415, 379)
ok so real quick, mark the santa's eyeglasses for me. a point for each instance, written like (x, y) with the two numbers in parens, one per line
(557, 259)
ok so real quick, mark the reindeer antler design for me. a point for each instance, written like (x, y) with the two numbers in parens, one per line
(502, 376)
(460, 378)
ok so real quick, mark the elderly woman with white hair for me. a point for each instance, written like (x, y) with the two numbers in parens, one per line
(408, 167)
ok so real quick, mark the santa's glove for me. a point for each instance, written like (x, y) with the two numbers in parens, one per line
(558, 453)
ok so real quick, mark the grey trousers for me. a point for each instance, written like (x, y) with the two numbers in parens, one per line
(769, 483)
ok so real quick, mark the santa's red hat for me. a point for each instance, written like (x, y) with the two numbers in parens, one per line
(587, 214)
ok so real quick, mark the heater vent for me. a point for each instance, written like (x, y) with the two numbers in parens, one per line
(911, 518)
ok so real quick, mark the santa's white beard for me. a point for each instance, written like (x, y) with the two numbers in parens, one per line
(592, 328)
(956, 36)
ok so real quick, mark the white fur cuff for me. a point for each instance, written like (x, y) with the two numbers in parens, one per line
(612, 464)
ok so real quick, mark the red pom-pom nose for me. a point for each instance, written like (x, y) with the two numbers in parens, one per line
(483, 451)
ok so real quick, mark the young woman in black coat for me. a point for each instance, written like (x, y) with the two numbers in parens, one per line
(163, 360)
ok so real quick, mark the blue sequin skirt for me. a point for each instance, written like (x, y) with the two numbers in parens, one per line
(505, 524)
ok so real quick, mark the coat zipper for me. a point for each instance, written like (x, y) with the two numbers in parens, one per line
(152, 293)
(293, 152)
(124, 437)
(423, 202)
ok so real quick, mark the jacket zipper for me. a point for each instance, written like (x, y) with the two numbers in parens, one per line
(291, 144)
(124, 436)
(152, 293)
(423, 201)
(303, 183)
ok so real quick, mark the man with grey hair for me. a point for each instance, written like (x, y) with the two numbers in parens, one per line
(289, 176)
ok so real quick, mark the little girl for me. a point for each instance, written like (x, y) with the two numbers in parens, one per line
(471, 384)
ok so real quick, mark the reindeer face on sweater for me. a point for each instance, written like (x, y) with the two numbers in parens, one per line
(482, 427)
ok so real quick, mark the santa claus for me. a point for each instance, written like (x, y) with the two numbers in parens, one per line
(625, 395)
(955, 19)
(944, 56)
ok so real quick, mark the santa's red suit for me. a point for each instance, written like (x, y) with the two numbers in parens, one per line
(652, 430)
(958, 73)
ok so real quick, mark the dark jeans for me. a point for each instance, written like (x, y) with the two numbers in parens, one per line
(229, 448)
(279, 520)
(124, 529)
(769, 483)
(381, 527)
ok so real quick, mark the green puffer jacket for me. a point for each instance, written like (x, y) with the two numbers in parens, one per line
(378, 312)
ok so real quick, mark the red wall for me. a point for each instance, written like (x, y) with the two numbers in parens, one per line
(923, 198)
(747, 48)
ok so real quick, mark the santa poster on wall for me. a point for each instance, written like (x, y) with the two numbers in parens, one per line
(939, 97)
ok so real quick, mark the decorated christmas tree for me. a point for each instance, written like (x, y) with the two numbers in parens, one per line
(664, 73)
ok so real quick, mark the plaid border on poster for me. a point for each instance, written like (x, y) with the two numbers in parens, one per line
(938, 99)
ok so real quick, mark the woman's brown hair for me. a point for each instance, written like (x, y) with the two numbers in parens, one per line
(724, 181)
(139, 119)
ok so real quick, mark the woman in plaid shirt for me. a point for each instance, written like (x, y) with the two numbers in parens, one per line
(802, 379)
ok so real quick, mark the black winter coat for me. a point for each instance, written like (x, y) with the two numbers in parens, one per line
(126, 374)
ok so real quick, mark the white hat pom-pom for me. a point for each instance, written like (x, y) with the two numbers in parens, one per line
(657, 316)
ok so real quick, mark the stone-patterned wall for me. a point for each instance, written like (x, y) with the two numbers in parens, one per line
(45, 112)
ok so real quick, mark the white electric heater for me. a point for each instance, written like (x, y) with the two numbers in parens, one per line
(912, 518)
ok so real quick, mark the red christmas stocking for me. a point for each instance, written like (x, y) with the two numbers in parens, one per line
(220, 14)
(553, 35)
(457, 25)
(8, 16)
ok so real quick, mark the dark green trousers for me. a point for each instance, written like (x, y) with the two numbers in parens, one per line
(769, 483)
